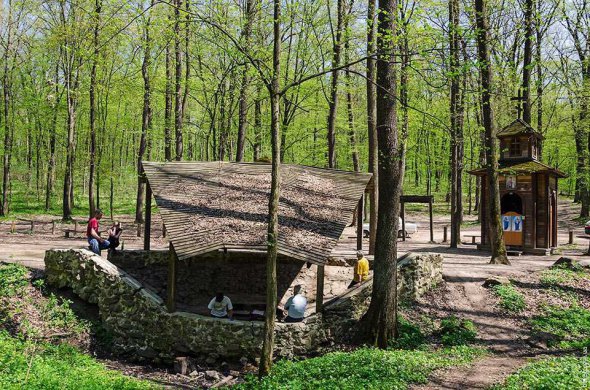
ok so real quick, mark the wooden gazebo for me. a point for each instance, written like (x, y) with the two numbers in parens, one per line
(222, 206)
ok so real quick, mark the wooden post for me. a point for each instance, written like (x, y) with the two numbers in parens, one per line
(163, 230)
(445, 228)
(571, 237)
(76, 227)
(52, 227)
(431, 223)
(319, 301)
(13, 227)
(359, 224)
(403, 212)
(32, 226)
(171, 286)
(148, 217)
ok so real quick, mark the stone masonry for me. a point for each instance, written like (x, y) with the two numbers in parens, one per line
(142, 327)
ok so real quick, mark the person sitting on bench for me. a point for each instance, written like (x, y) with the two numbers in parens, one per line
(95, 241)
(295, 306)
(221, 307)
(115, 235)
(361, 269)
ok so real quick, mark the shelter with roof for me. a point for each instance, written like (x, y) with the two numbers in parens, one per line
(215, 216)
(528, 192)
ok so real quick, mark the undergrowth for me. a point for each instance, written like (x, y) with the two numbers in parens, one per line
(455, 331)
(362, 369)
(561, 373)
(570, 326)
(25, 364)
(561, 275)
(510, 298)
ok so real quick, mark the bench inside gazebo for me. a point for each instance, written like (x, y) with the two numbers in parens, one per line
(215, 216)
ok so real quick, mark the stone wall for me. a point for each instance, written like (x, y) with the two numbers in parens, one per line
(142, 327)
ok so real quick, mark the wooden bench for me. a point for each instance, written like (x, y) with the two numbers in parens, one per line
(586, 237)
(473, 237)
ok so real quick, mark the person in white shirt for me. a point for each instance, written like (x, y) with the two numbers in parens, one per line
(295, 306)
(221, 306)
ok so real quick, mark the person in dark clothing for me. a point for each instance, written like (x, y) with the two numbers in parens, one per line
(115, 235)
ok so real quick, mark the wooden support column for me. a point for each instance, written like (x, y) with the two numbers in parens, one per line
(359, 224)
(171, 286)
(403, 215)
(148, 217)
(431, 223)
(319, 301)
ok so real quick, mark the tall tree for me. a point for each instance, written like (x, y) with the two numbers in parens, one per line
(250, 12)
(333, 102)
(273, 204)
(92, 93)
(372, 122)
(456, 115)
(71, 64)
(146, 116)
(381, 318)
(178, 82)
(491, 146)
(578, 26)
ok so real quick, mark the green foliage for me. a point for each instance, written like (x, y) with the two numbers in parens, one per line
(410, 336)
(362, 369)
(560, 275)
(570, 326)
(455, 331)
(24, 364)
(564, 373)
(57, 313)
(13, 278)
(510, 298)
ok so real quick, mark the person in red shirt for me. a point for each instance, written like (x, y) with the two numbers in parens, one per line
(95, 241)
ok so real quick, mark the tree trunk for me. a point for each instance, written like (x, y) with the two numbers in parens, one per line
(178, 82)
(91, 203)
(491, 146)
(333, 103)
(52, 140)
(381, 317)
(456, 115)
(273, 205)
(371, 123)
(146, 122)
(257, 128)
(243, 102)
(168, 106)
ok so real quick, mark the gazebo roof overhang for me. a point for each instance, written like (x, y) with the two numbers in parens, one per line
(208, 206)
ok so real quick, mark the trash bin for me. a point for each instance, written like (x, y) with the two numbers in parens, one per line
(587, 227)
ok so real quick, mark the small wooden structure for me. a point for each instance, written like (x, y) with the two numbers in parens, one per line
(222, 206)
(416, 199)
(528, 192)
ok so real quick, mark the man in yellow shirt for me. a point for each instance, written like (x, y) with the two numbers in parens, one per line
(361, 269)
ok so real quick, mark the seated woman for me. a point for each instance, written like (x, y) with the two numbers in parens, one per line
(115, 235)
(221, 306)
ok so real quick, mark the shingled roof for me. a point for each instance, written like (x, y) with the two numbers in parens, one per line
(207, 206)
(527, 167)
(518, 127)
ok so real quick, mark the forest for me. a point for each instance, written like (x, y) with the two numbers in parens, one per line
(91, 88)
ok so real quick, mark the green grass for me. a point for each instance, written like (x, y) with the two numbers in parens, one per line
(570, 326)
(561, 373)
(29, 365)
(410, 336)
(362, 369)
(12, 279)
(455, 331)
(511, 299)
(558, 276)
